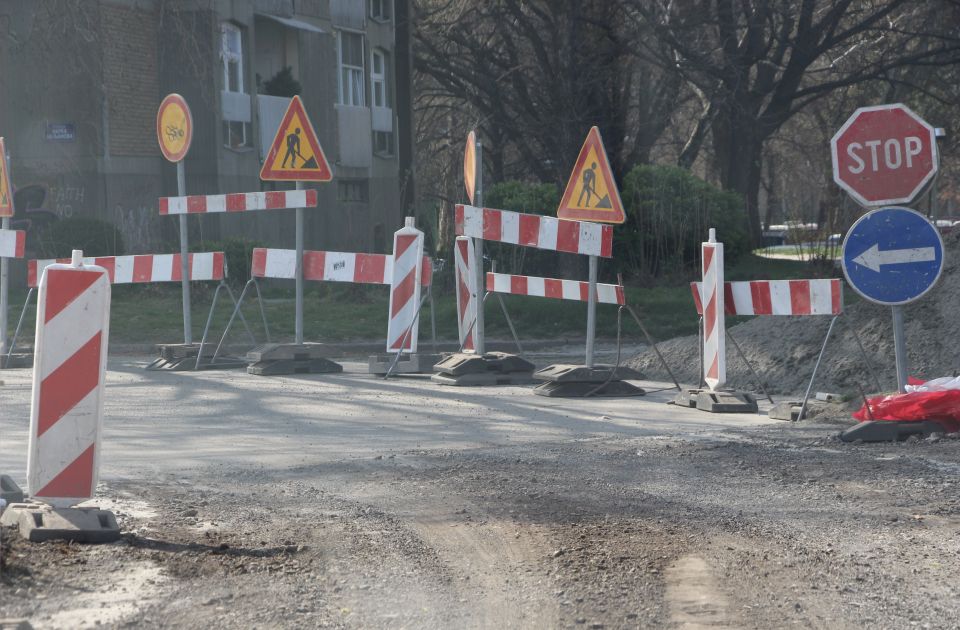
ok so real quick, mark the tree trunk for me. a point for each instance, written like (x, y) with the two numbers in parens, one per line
(738, 147)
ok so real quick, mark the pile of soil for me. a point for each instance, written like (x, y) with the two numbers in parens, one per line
(783, 350)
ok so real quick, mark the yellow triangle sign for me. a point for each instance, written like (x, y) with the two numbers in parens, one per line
(591, 193)
(6, 190)
(295, 154)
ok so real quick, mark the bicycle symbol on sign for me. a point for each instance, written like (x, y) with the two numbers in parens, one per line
(174, 133)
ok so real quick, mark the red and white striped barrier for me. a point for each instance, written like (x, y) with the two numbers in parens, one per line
(142, 268)
(534, 230)
(66, 414)
(330, 266)
(463, 255)
(714, 326)
(238, 202)
(12, 243)
(402, 327)
(553, 288)
(778, 297)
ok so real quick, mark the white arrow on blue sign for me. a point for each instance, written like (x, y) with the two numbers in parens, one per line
(892, 256)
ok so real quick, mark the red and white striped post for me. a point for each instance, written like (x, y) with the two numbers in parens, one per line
(714, 326)
(70, 359)
(405, 289)
(463, 256)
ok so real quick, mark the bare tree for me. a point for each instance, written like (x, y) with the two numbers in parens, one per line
(756, 63)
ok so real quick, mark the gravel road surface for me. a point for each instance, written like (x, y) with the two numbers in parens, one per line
(348, 501)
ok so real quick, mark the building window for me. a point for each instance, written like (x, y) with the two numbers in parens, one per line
(352, 190)
(231, 56)
(350, 56)
(236, 133)
(383, 142)
(379, 87)
(380, 10)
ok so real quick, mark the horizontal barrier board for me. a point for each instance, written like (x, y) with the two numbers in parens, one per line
(12, 243)
(239, 202)
(779, 297)
(143, 269)
(554, 288)
(534, 230)
(330, 266)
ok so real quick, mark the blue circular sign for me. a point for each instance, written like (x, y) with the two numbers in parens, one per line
(892, 256)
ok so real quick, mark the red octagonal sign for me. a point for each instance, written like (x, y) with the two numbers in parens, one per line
(884, 155)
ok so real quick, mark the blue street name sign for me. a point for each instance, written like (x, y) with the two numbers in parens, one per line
(892, 256)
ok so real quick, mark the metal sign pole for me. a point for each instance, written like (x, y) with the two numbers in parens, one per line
(479, 344)
(298, 324)
(592, 310)
(4, 295)
(900, 348)
(184, 259)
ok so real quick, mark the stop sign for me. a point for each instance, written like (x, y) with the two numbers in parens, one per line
(884, 155)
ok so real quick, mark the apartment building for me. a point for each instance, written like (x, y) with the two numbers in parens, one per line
(80, 82)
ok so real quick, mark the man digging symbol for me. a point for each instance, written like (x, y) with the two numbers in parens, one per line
(293, 152)
(589, 185)
(293, 149)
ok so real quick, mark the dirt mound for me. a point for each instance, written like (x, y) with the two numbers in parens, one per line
(784, 349)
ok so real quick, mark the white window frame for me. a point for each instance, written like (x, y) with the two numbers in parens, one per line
(385, 13)
(341, 67)
(380, 78)
(227, 56)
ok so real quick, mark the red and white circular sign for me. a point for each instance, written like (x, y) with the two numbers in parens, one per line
(884, 155)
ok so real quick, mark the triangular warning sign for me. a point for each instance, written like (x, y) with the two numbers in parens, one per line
(6, 190)
(295, 154)
(591, 193)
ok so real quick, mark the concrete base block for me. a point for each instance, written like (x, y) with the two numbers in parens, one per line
(726, 402)
(9, 490)
(567, 389)
(16, 361)
(415, 363)
(789, 410)
(890, 431)
(687, 398)
(38, 523)
(15, 624)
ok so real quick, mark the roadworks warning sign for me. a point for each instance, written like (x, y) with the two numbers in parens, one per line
(591, 193)
(295, 154)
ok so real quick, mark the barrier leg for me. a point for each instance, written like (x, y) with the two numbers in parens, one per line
(433, 319)
(243, 320)
(16, 333)
(823, 348)
(750, 367)
(206, 328)
(233, 315)
(653, 344)
(513, 331)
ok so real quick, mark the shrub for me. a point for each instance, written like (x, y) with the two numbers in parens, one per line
(528, 198)
(238, 253)
(669, 212)
(93, 236)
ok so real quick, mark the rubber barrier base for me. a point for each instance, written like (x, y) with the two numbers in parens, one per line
(38, 523)
(492, 368)
(182, 357)
(408, 364)
(890, 430)
(568, 389)
(686, 398)
(277, 359)
(726, 402)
